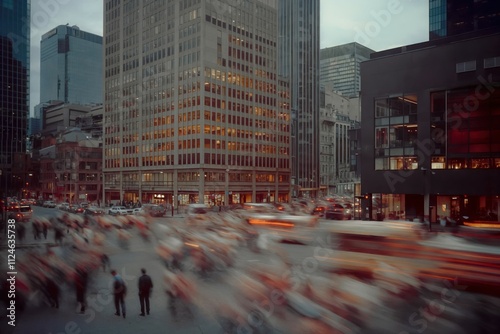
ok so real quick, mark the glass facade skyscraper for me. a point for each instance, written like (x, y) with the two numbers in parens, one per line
(454, 17)
(298, 60)
(71, 66)
(14, 89)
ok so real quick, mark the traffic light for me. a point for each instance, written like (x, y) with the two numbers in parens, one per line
(367, 196)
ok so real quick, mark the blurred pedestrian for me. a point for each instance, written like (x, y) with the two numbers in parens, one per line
(58, 234)
(81, 280)
(53, 292)
(145, 286)
(21, 231)
(105, 262)
(119, 293)
(45, 228)
(36, 229)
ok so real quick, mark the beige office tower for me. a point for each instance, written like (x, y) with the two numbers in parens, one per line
(194, 110)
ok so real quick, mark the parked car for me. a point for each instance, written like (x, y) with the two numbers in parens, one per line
(93, 211)
(120, 210)
(49, 204)
(21, 213)
(335, 211)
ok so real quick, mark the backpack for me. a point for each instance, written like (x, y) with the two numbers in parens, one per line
(119, 286)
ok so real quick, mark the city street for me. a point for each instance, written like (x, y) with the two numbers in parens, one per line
(306, 261)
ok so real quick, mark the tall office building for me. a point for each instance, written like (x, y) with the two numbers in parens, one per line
(454, 17)
(71, 66)
(14, 90)
(340, 67)
(194, 110)
(298, 60)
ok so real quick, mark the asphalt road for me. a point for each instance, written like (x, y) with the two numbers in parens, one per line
(39, 318)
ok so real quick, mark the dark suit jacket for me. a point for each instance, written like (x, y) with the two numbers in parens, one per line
(145, 284)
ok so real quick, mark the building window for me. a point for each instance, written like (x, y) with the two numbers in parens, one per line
(492, 62)
(438, 163)
(396, 132)
(463, 126)
(466, 66)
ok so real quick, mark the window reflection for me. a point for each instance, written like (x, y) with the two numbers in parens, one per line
(396, 132)
(464, 136)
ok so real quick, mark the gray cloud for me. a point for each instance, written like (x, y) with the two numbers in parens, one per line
(377, 24)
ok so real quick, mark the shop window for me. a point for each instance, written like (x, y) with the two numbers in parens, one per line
(438, 163)
(480, 163)
(458, 163)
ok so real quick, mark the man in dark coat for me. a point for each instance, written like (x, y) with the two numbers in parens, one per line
(145, 286)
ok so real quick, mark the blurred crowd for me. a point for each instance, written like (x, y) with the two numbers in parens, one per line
(199, 252)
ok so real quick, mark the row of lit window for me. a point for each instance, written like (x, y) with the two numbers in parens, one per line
(194, 158)
(241, 30)
(195, 144)
(192, 72)
(464, 163)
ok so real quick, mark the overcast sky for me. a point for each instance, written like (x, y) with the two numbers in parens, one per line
(377, 24)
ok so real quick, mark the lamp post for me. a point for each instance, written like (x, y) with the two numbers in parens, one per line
(226, 191)
(426, 196)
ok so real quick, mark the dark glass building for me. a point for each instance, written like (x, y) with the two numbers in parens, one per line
(71, 66)
(454, 17)
(299, 63)
(14, 90)
(431, 128)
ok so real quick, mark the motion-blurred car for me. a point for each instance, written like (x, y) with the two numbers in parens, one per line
(279, 206)
(76, 209)
(320, 209)
(154, 210)
(336, 211)
(93, 211)
(64, 206)
(49, 204)
(197, 213)
(120, 210)
(20, 213)
(348, 210)
(139, 211)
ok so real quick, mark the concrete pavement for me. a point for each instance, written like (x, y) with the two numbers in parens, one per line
(99, 316)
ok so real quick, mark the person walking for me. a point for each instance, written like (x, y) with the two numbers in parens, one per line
(36, 229)
(119, 292)
(81, 280)
(145, 286)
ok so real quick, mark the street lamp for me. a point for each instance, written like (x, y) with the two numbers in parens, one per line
(426, 196)
(226, 197)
